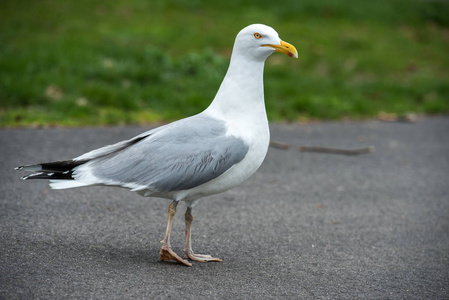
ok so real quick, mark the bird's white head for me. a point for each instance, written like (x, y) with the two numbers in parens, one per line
(259, 41)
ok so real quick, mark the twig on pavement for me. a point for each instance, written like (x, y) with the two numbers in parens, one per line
(279, 145)
(357, 151)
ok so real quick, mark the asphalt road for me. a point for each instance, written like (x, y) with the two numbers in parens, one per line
(305, 226)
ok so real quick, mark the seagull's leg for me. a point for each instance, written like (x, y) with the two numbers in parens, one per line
(188, 249)
(166, 252)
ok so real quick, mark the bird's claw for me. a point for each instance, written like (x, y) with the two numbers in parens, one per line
(200, 257)
(167, 253)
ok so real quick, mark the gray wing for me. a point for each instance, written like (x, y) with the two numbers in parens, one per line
(178, 156)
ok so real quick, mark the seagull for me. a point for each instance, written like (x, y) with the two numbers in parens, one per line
(191, 158)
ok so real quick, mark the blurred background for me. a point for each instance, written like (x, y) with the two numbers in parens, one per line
(92, 62)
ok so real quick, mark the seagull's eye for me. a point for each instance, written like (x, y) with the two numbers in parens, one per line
(257, 35)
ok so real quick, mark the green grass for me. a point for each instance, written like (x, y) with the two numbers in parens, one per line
(82, 62)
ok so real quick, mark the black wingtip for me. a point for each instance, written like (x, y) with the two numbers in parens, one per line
(51, 170)
(44, 175)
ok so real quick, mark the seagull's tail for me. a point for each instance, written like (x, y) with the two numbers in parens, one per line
(60, 173)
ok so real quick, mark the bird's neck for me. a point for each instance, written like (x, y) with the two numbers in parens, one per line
(241, 92)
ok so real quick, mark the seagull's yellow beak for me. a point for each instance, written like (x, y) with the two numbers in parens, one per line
(285, 48)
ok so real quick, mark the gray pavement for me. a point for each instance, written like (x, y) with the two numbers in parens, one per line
(305, 226)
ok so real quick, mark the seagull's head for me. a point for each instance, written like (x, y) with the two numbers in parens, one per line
(260, 41)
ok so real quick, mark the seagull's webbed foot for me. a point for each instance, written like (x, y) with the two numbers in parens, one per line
(200, 257)
(167, 253)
